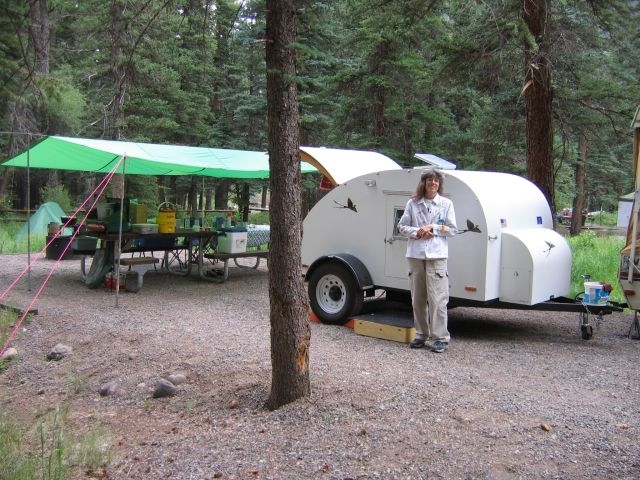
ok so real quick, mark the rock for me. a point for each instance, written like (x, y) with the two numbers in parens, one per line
(9, 354)
(108, 388)
(164, 388)
(59, 351)
(177, 379)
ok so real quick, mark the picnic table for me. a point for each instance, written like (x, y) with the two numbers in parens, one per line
(180, 252)
(109, 253)
(258, 238)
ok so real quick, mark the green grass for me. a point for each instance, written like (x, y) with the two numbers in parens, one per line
(597, 256)
(8, 242)
(45, 447)
(14, 464)
(605, 219)
(48, 450)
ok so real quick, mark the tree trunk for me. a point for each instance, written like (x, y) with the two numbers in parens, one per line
(23, 115)
(173, 190)
(5, 177)
(578, 201)
(538, 101)
(208, 205)
(246, 200)
(289, 310)
(39, 34)
(193, 197)
(115, 110)
(379, 91)
(221, 197)
(116, 186)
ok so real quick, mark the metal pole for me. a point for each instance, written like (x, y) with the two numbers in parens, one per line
(29, 216)
(119, 243)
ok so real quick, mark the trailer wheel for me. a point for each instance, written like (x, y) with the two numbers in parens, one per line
(334, 294)
(586, 329)
(587, 332)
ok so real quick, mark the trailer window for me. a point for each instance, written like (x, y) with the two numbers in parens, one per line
(397, 215)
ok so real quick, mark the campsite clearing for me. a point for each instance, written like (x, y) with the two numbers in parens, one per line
(517, 395)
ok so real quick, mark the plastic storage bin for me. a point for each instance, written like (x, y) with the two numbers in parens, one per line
(232, 242)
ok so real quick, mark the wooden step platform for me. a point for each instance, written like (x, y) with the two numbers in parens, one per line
(394, 325)
(381, 319)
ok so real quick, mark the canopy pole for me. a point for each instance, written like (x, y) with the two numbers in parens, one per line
(119, 243)
(202, 202)
(29, 216)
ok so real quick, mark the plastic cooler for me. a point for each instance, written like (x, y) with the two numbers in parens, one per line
(234, 240)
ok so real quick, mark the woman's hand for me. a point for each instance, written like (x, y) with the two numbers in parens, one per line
(426, 231)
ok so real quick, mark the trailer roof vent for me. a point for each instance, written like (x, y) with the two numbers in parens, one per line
(435, 161)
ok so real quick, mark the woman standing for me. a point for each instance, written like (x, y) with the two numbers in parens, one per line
(428, 221)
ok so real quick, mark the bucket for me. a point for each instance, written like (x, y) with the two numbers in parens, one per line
(594, 294)
(166, 218)
(104, 210)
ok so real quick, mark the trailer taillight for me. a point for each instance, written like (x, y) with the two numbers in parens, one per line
(629, 293)
(326, 183)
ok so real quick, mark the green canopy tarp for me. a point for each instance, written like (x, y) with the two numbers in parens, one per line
(88, 155)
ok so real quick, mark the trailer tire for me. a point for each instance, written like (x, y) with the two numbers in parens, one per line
(586, 332)
(334, 294)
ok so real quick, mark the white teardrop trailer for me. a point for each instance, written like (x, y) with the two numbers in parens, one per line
(506, 254)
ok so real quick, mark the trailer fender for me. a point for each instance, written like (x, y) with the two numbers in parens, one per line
(356, 267)
(336, 288)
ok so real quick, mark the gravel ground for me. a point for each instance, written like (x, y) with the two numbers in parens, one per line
(518, 394)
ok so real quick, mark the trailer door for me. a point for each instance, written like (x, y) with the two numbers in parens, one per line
(395, 262)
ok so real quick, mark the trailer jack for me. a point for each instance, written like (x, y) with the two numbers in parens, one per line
(634, 328)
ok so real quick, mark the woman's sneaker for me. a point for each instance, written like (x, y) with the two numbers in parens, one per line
(439, 346)
(417, 343)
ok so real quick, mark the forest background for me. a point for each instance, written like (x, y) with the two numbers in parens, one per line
(440, 76)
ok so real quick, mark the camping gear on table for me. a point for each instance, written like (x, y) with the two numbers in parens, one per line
(234, 240)
(145, 228)
(107, 214)
(138, 213)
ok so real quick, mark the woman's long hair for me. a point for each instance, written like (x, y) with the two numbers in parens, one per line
(421, 189)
